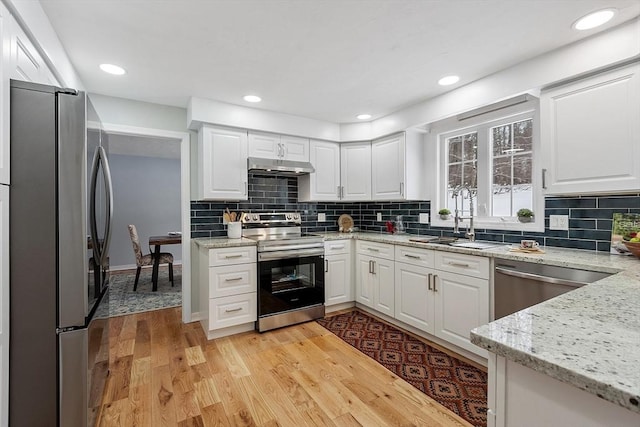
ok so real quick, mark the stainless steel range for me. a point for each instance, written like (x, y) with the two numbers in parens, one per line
(290, 269)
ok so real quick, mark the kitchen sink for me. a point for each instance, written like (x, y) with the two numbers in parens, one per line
(475, 245)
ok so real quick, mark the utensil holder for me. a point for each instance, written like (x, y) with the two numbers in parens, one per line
(234, 230)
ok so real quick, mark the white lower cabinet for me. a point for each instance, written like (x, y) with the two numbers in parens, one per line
(228, 290)
(432, 298)
(338, 287)
(461, 304)
(375, 277)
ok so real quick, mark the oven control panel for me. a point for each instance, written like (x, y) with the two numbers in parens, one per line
(272, 218)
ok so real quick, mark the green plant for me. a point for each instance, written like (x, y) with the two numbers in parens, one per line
(525, 213)
(444, 211)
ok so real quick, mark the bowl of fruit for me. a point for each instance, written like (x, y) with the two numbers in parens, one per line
(632, 242)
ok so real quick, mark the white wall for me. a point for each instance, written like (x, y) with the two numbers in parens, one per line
(128, 112)
(146, 192)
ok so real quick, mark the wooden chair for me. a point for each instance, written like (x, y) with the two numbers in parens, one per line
(142, 260)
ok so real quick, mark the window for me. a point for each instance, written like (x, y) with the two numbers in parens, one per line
(494, 158)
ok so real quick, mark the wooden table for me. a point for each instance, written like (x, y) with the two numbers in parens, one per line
(158, 241)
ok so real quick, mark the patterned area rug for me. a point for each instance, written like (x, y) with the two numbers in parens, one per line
(123, 300)
(460, 387)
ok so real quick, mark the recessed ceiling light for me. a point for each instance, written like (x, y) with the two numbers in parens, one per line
(112, 69)
(252, 98)
(364, 116)
(594, 19)
(448, 80)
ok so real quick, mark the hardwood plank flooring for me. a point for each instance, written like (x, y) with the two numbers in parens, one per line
(166, 373)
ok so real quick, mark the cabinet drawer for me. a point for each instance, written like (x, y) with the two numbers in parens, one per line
(468, 265)
(231, 256)
(381, 250)
(337, 247)
(232, 280)
(232, 310)
(415, 256)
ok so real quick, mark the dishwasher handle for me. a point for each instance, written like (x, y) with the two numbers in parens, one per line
(539, 278)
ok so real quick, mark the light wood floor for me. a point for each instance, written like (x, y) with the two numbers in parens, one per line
(165, 373)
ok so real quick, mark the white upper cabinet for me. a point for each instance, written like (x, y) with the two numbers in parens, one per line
(222, 164)
(387, 168)
(278, 147)
(590, 132)
(396, 167)
(355, 171)
(25, 62)
(324, 183)
(4, 102)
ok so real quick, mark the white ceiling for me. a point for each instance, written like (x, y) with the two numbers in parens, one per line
(328, 60)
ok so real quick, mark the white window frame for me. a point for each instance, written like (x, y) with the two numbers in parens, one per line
(482, 124)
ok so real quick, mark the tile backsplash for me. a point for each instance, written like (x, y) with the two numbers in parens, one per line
(589, 216)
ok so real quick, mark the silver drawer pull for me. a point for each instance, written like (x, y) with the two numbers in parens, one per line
(412, 256)
(435, 278)
(458, 264)
(337, 247)
(233, 280)
(373, 249)
(233, 310)
(233, 256)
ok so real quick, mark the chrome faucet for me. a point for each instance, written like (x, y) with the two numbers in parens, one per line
(459, 191)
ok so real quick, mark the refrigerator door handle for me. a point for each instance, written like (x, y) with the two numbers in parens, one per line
(100, 163)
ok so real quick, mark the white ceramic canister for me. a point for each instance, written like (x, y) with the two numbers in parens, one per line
(234, 230)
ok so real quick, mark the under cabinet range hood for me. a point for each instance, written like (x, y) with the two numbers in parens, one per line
(279, 167)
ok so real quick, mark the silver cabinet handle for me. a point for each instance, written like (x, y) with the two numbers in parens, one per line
(337, 247)
(235, 279)
(458, 264)
(429, 281)
(373, 264)
(338, 191)
(370, 268)
(233, 310)
(435, 278)
(342, 192)
(373, 249)
(233, 256)
(326, 265)
(544, 179)
(412, 256)
(246, 188)
(402, 188)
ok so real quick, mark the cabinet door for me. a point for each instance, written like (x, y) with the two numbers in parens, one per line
(264, 145)
(355, 171)
(364, 280)
(461, 304)
(414, 296)
(337, 279)
(25, 63)
(388, 168)
(295, 148)
(383, 286)
(324, 183)
(590, 134)
(4, 304)
(4, 112)
(222, 164)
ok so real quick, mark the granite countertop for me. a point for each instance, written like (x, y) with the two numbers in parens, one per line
(589, 337)
(222, 242)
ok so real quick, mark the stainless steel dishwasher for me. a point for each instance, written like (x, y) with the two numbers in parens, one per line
(518, 285)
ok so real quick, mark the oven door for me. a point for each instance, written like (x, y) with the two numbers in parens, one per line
(289, 283)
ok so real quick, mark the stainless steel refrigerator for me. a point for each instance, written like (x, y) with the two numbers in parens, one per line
(58, 348)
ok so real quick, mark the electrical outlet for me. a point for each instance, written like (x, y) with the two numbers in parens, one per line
(379, 216)
(322, 217)
(424, 218)
(558, 222)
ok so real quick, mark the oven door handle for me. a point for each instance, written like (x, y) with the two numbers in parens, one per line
(300, 246)
(296, 253)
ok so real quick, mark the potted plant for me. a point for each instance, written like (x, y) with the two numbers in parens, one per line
(525, 215)
(444, 213)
